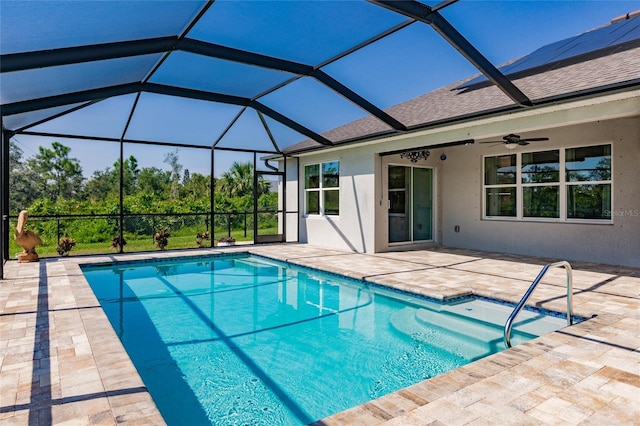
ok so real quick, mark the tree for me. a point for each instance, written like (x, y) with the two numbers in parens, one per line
(176, 168)
(101, 185)
(106, 183)
(195, 187)
(60, 176)
(22, 181)
(238, 181)
(154, 181)
(130, 174)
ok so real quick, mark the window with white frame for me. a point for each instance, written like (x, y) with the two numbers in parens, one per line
(500, 185)
(588, 181)
(540, 178)
(574, 183)
(322, 188)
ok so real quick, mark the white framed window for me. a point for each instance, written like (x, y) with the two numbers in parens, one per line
(557, 185)
(500, 186)
(540, 179)
(322, 188)
(589, 182)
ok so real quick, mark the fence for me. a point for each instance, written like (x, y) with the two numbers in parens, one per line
(97, 233)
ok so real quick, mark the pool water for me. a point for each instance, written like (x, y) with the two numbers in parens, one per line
(242, 340)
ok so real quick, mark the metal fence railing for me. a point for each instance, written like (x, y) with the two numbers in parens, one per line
(100, 233)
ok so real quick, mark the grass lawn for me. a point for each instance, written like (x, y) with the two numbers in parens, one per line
(135, 243)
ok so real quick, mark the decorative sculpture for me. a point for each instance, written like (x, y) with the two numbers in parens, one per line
(28, 240)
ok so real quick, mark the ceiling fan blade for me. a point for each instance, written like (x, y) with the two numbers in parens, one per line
(534, 139)
(513, 139)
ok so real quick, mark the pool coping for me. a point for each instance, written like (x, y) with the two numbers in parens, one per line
(118, 395)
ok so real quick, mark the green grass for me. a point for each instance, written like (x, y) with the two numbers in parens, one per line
(182, 239)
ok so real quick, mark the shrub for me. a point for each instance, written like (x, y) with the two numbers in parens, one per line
(202, 236)
(118, 243)
(65, 245)
(161, 239)
(226, 240)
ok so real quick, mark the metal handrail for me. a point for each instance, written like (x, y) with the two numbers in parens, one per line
(509, 324)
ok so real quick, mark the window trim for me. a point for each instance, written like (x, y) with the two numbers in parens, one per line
(562, 183)
(321, 189)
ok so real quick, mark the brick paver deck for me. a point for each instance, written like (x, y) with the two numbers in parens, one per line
(62, 363)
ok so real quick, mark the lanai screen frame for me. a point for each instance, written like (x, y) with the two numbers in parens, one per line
(414, 12)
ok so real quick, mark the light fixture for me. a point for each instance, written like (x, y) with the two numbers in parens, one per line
(511, 145)
(414, 156)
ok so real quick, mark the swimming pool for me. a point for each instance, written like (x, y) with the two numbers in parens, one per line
(239, 339)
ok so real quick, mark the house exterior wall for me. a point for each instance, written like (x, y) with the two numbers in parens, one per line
(353, 228)
(362, 225)
(613, 243)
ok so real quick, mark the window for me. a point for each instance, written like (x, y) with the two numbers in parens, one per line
(398, 177)
(540, 177)
(588, 175)
(322, 188)
(500, 185)
(574, 183)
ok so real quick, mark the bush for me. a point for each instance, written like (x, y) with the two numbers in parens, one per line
(161, 239)
(202, 236)
(118, 243)
(65, 245)
(226, 240)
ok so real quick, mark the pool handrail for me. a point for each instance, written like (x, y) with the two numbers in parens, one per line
(509, 324)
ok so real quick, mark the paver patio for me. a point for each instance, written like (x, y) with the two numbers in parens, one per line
(62, 363)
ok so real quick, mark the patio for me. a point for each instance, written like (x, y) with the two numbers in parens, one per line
(62, 362)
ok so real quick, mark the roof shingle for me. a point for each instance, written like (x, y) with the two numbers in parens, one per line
(450, 103)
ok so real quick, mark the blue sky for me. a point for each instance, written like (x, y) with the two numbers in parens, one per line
(409, 63)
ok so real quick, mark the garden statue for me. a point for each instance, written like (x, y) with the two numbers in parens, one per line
(28, 240)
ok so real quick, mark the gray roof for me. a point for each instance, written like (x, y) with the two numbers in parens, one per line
(610, 71)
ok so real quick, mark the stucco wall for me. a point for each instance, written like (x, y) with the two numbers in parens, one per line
(353, 228)
(612, 243)
(363, 226)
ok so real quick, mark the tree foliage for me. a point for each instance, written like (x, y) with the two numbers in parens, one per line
(238, 181)
(58, 175)
(51, 183)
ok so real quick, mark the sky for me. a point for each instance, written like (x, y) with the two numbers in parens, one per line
(406, 64)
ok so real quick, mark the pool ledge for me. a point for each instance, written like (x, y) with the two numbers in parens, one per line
(63, 363)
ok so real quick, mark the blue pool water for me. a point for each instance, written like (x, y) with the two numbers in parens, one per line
(241, 340)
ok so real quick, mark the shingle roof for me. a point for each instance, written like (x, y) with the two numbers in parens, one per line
(453, 103)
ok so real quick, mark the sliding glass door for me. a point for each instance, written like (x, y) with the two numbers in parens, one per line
(410, 204)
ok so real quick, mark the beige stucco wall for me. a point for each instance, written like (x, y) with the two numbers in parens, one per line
(353, 228)
(613, 243)
(363, 226)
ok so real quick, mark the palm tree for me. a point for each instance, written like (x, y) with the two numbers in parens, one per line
(238, 181)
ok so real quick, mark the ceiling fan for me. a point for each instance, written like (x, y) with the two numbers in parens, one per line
(511, 141)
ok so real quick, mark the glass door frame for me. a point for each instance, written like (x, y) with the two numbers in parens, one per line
(434, 198)
(280, 210)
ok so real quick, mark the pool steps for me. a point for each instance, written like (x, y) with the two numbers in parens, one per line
(476, 326)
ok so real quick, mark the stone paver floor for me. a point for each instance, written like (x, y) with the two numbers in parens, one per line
(62, 363)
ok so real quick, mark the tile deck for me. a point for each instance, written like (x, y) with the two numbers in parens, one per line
(62, 363)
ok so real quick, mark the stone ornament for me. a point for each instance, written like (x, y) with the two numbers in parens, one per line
(28, 240)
